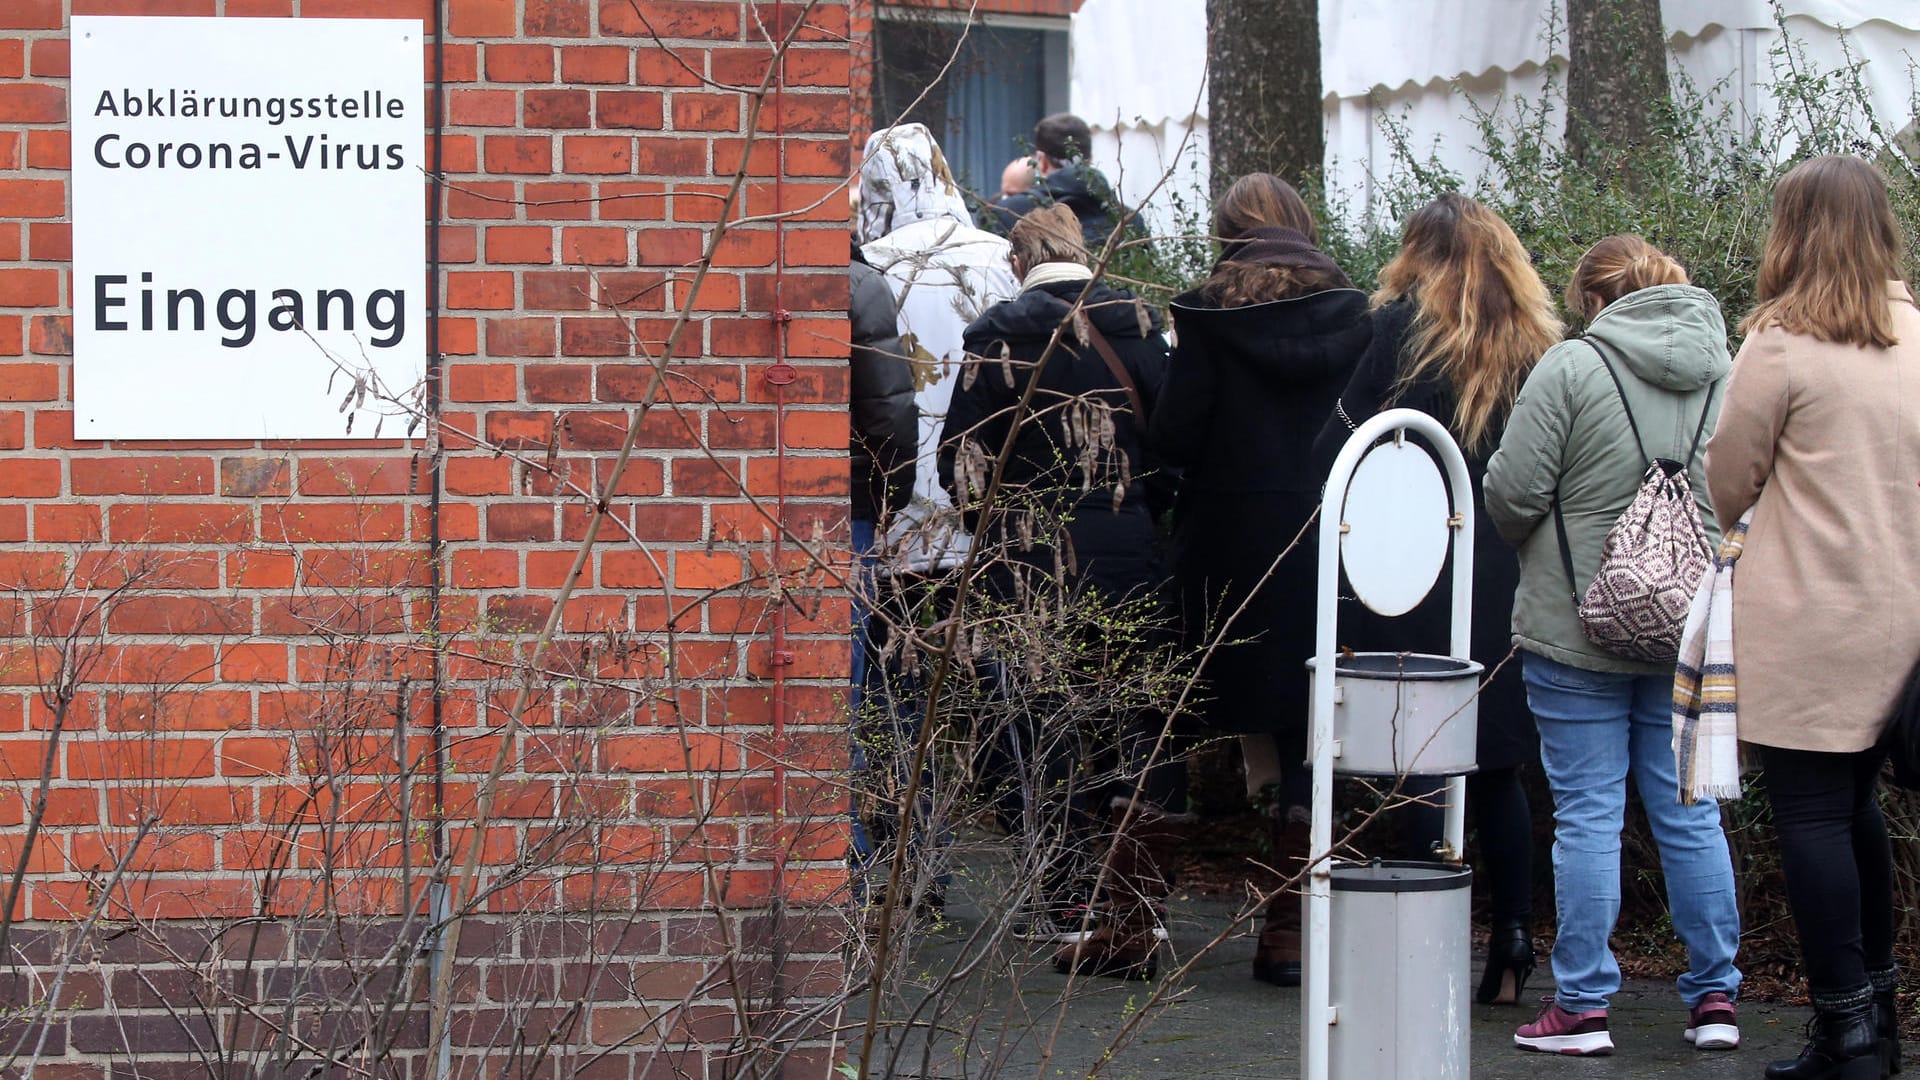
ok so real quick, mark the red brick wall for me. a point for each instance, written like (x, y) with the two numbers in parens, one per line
(250, 733)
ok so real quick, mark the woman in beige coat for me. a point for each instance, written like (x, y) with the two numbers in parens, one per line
(1820, 437)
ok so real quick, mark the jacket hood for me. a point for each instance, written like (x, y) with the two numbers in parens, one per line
(1672, 336)
(1035, 313)
(1302, 339)
(904, 179)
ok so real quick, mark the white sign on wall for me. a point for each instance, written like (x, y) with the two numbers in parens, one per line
(248, 227)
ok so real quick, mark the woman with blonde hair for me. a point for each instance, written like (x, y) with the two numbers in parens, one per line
(1265, 343)
(1640, 386)
(1819, 439)
(1459, 318)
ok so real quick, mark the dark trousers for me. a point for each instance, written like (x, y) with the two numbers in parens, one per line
(1838, 862)
(1051, 779)
(1502, 823)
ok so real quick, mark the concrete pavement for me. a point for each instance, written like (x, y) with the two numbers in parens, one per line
(978, 1008)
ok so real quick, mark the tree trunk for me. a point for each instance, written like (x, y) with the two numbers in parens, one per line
(1617, 100)
(1264, 111)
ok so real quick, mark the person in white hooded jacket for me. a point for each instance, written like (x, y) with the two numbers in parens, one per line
(916, 230)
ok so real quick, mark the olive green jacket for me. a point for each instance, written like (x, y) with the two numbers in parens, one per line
(1569, 437)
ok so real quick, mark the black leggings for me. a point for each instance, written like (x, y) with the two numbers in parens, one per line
(1838, 862)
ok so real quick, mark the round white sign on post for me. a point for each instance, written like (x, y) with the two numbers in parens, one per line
(1395, 537)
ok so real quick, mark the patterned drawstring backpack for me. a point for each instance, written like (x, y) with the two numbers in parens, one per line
(1654, 557)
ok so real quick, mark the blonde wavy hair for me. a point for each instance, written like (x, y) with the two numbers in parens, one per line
(1833, 248)
(1482, 316)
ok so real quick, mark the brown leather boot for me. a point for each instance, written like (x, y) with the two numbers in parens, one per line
(1277, 960)
(1139, 873)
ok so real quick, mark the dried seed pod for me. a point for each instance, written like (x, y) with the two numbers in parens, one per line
(1143, 316)
(1082, 326)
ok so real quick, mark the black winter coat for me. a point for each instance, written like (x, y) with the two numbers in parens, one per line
(886, 424)
(1247, 391)
(1105, 546)
(1506, 734)
(1082, 189)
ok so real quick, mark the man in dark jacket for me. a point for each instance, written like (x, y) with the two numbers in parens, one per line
(1061, 145)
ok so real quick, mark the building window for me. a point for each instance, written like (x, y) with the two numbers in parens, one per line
(1007, 72)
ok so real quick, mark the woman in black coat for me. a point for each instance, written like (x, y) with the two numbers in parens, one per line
(1461, 317)
(1262, 350)
(1071, 527)
(1056, 474)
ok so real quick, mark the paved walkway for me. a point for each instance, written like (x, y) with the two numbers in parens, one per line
(1000, 1011)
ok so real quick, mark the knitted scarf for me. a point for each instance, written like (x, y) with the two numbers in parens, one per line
(1706, 735)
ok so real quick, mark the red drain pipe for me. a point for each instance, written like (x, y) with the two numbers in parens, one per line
(779, 375)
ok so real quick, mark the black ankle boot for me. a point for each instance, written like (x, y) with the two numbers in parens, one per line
(1509, 961)
(1886, 1023)
(1842, 1044)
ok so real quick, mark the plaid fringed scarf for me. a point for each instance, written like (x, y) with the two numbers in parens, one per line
(1706, 738)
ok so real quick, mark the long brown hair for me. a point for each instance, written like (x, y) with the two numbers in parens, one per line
(1615, 267)
(1255, 201)
(1482, 316)
(1833, 248)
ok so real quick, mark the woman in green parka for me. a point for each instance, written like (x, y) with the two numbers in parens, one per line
(1642, 382)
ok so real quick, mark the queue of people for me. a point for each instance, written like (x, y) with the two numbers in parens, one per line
(1223, 425)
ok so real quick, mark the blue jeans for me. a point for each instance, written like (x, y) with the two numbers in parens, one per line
(1595, 727)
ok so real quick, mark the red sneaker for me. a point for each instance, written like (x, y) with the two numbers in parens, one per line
(1713, 1024)
(1557, 1031)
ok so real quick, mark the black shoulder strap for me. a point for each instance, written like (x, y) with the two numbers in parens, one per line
(1559, 515)
(1620, 388)
(1701, 428)
(1566, 552)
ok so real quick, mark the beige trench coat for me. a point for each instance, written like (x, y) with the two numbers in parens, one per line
(1823, 441)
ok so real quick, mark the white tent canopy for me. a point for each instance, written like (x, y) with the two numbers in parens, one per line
(1139, 68)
